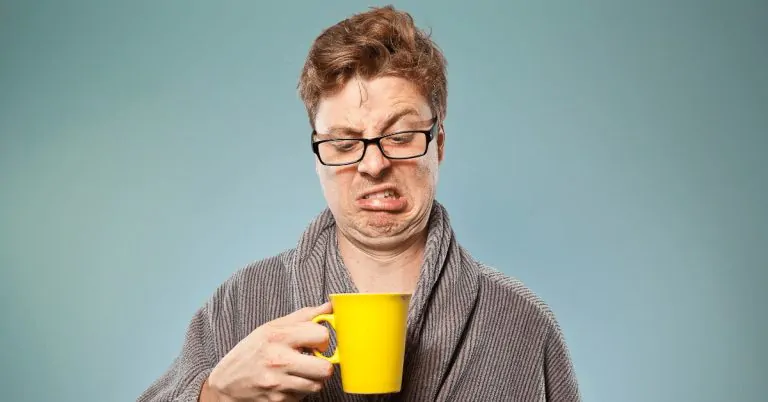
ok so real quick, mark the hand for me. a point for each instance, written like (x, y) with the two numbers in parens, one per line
(268, 365)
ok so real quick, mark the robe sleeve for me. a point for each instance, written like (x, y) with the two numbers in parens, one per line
(182, 381)
(559, 376)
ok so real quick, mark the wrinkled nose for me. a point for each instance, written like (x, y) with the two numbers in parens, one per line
(374, 163)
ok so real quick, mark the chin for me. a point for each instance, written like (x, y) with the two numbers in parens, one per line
(377, 224)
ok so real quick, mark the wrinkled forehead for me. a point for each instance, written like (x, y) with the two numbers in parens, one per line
(372, 105)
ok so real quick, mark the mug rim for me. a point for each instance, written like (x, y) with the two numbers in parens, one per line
(358, 294)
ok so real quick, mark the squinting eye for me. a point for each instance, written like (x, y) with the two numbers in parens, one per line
(402, 138)
(344, 145)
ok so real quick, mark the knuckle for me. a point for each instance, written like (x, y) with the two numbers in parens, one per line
(267, 382)
(275, 361)
(327, 368)
(276, 336)
(277, 397)
(263, 331)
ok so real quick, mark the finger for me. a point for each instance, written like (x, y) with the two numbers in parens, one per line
(284, 397)
(308, 313)
(304, 335)
(297, 386)
(309, 367)
(310, 335)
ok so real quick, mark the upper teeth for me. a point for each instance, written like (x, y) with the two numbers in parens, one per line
(381, 194)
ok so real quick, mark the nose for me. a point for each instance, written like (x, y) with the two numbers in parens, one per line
(374, 163)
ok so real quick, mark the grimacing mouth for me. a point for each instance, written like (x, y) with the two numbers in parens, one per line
(390, 193)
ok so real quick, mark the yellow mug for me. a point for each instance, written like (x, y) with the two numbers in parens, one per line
(370, 340)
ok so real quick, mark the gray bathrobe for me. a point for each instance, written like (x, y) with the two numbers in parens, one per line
(474, 334)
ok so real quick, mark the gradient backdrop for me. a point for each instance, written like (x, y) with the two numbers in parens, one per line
(612, 155)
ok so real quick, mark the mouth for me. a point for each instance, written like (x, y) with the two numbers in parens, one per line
(379, 195)
(385, 200)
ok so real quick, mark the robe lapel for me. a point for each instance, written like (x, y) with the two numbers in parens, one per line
(307, 265)
(445, 298)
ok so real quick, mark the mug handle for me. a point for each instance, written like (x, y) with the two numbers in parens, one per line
(330, 319)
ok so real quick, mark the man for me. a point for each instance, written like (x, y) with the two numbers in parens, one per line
(375, 90)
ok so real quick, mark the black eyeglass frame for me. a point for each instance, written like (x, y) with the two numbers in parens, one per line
(431, 133)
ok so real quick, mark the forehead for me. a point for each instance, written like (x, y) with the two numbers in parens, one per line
(364, 104)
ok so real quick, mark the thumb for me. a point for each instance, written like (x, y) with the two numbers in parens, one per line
(308, 313)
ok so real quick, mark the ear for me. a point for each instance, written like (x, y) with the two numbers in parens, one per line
(441, 143)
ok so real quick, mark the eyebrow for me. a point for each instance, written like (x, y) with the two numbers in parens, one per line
(389, 121)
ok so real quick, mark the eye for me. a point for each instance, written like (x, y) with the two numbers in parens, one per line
(345, 145)
(401, 138)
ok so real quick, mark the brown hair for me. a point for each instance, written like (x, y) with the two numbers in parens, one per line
(380, 42)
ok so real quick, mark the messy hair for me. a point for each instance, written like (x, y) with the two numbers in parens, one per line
(380, 42)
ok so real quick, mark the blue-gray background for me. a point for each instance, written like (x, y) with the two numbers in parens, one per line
(609, 154)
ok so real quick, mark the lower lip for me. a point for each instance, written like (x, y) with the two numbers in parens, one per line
(390, 204)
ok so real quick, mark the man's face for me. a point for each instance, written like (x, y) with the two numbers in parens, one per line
(403, 189)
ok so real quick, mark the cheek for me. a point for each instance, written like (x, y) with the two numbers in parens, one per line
(327, 182)
(427, 168)
(335, 182)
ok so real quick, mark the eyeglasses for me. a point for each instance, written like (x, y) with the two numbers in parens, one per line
(400, 145)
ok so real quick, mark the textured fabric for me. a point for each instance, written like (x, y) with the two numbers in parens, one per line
(474, 334)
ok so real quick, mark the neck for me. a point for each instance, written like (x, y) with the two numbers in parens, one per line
(394, 270)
